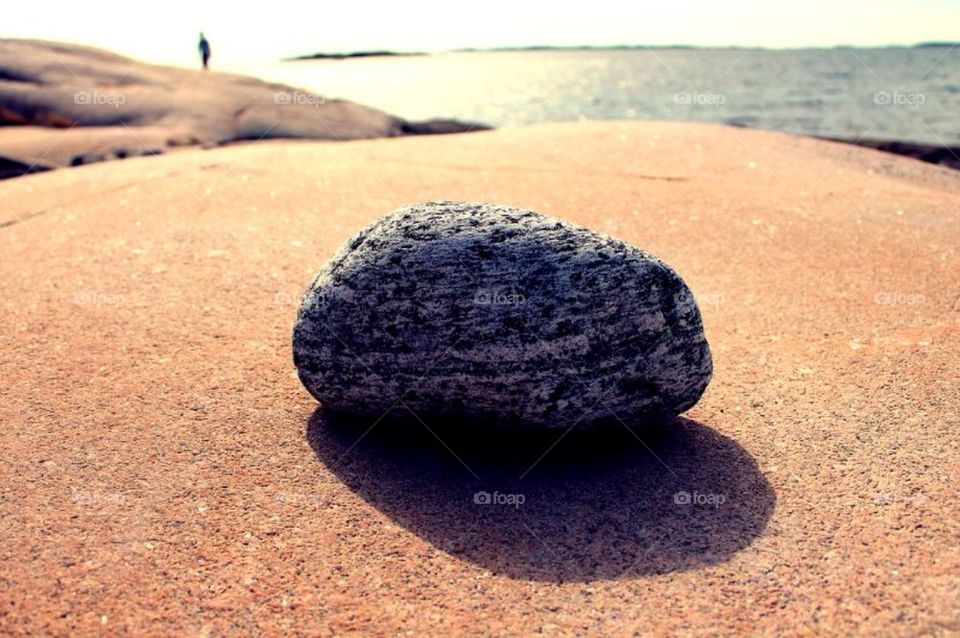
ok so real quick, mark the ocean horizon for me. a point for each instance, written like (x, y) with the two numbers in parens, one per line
(897, 93)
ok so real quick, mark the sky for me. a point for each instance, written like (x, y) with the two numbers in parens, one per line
(265, 31)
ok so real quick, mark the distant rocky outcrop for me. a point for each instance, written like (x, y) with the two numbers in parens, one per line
(108, 106)
(353, 54)
(932, 153)
(14, 168)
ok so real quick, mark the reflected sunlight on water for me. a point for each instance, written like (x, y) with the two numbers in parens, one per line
(909, 94)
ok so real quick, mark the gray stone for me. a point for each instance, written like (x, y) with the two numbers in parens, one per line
(503, 315)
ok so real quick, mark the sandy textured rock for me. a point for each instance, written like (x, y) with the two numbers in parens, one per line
(158, 480)
(502, 314)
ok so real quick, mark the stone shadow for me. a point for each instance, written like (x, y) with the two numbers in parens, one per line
(602, 504)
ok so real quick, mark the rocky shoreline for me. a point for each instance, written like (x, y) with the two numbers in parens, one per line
(948, 156)
(66, 105)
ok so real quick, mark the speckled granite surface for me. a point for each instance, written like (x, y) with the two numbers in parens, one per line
(504, 315)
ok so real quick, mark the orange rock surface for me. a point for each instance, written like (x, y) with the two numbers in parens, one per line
(164, 472)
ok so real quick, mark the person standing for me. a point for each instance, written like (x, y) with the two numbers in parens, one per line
(204, 47)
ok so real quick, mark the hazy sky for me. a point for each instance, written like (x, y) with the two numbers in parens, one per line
(243, 32)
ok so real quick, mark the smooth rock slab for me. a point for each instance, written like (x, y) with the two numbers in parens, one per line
(509, 316)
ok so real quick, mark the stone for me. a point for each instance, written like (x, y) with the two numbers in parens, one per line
(503, 316)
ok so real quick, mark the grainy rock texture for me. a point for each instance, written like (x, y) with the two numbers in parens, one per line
(501, 314)
(165, 473)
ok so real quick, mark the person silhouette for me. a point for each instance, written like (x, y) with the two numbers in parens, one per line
(204, 47)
